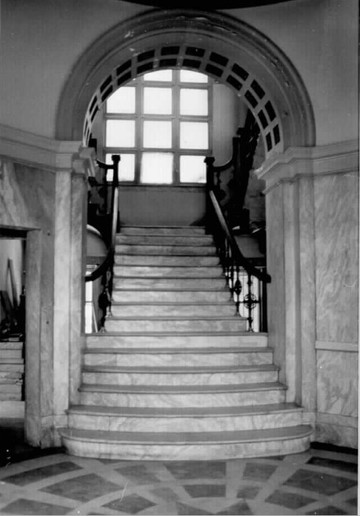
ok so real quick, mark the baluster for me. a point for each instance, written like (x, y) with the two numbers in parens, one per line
(249, 303)
(237, 288)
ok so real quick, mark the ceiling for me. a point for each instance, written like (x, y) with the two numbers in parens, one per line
(205, 5)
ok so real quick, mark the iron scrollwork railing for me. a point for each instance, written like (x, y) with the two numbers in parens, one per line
(247, 282)
(108, 229)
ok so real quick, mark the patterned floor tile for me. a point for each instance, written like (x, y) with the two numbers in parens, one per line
(26, 506)
(83, 488)
(319, 482)
(206, 490)
(185, 509)
(34, 475)
(205, 469)
(237, 508)
(247, 492)
(132, 504)
(289, 500)
(350, 467)
(258, 472)
(139, 474)
(330, 509)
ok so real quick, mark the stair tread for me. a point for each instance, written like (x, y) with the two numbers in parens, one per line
(191, 350)
(185, 411)
(179, 369)
(292, 432)
(181, 389)
(232, 317)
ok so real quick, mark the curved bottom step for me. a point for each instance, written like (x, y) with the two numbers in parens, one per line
(186, 446)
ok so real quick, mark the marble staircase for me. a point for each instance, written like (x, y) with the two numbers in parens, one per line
(175, 375)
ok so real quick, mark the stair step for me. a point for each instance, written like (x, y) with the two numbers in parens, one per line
(163, 230)
(173, 250)
(169, 272)
(183, 419)
(176, 324)
(182, 395)
(188, 341)
(165, 239)
(160, 283)
(179, 375)
(164, 357)
(175, 309)
(166, 261)
(123, 295)
(186, 445)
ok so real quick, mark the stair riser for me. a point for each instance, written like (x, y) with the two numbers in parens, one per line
(197, 240)
(184, 424)
(10, 353)
(252, 340)
(246, 398)
(167, 261)
(149, 310)
(12, 367)
(167, 272)
(171, 250)
(179, 378)
(178, 359)
(185, 451)
(170, 283)
(162, 230)
(123, 325)
(171, 296)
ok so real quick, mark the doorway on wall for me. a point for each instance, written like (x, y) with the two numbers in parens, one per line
(12, 341)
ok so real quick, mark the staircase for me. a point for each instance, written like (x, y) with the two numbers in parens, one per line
(176, 376)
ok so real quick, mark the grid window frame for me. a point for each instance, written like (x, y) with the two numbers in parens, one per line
(176, 84)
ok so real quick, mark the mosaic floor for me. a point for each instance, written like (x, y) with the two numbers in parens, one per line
(315, 482)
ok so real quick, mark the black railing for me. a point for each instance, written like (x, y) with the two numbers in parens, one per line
(108, 228)
(247, 282)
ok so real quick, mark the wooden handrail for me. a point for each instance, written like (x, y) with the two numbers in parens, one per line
(237, 254)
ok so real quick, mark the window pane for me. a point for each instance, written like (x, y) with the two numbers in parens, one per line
(159, 75)
(157, 134)
(126, 167)
(193, 102)
(157, 101)
(192, 169)
(156, 168)
(120, 133)
(189, 76)
(194, 135)
(122, 101)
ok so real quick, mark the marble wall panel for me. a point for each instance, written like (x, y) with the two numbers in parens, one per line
(276, 268)
(336, 242)
(337, 384)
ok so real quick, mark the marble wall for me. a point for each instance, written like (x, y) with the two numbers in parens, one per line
(312, 231)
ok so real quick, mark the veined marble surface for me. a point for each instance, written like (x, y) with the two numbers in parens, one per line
(336, 243)
(337, 385)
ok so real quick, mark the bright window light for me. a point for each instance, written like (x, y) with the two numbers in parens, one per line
(189, 76)
(126, 167)
(192, 169)
(156, 167)
(157, 134)
(159, 75)
(194, 135)
(193, 102)
(157, 101)
(120, 133)
(122, 101)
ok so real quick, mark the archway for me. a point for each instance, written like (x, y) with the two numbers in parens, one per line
(229, 50)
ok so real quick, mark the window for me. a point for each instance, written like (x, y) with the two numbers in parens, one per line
(160, 124)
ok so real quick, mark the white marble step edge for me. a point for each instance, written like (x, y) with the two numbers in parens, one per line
(173, 351)
(112, 369)
(202, 419)
(147, 230)
(186, 446)
(187, 341)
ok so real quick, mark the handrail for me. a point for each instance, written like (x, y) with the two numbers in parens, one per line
(237, 254)
(105, 269)
(247, 283)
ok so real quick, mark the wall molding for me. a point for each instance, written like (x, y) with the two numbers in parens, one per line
(348, 347)
(37, 151)
(297, 162)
